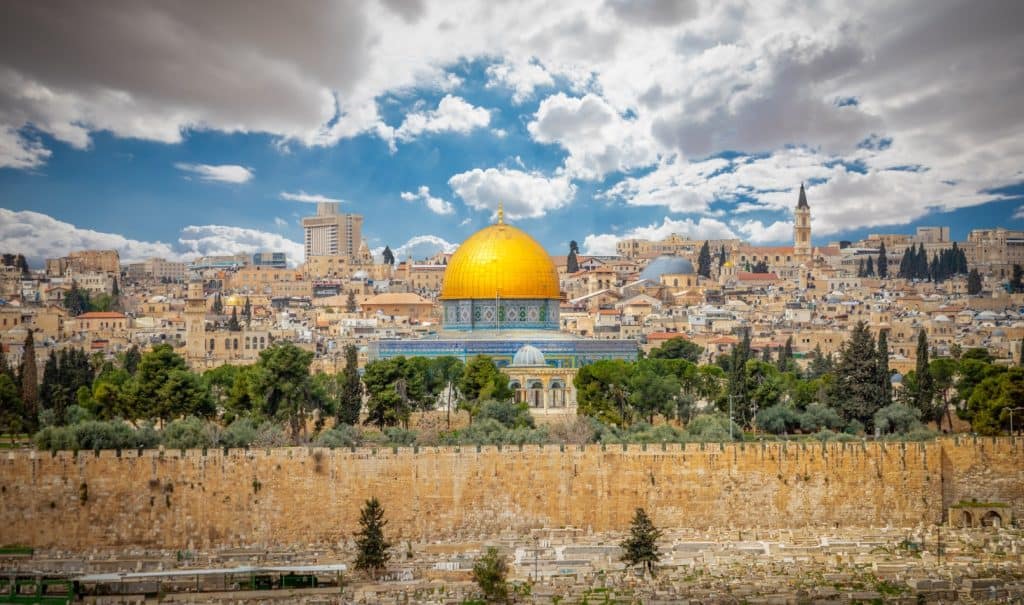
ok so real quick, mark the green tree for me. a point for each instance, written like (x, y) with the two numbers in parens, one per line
(678, 348)
(482, 380)
(883, 262)
(722, 257)
(389, 256)
(820, 364)
(283, 388)
(350, 303)
(785, 362)
(653, 393)
(12, 417)
(897, 418)
(233, 324)
(924, 394)
(444, 374)
(1017, 279)
(974, 284)
(943, 372)
(393, 387)
(641, 547)
(76, 301)
(350, 400)
(704, 261)
(247, 311)
(184, 394)
(372, 547)
(760, 267)
(218, 304)
(993, 399)
(28, 377)
(490, 573)
(869, 270)
(154, 371)
(572, 265)
(602, 390)
(884, 375)
(856, 393)
(131, 360)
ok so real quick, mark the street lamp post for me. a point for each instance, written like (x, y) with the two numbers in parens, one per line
(1012, 410)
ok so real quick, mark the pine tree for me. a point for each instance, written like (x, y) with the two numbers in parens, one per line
(132, 357)
(883, 262)
(490, 572)
(974, 285)
(855, 392)
(924, 390)
(29, 379)
(861, 270)
(786, 355)
(820, 365)
(1016, 279)
(388, 255)
(350, 302)
(351, 391)
(233, 324)
(641, 547)
(115, 291)
(870, 270)
(572, 265)
(722, 257)
(372, 547)
(247, 311)
(704, 261)
(884, 376)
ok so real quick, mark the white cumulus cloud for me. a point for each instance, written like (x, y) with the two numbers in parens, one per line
(418, 247)
(19, 152)
(39, 236)
(309, 198)
(453, 114)
(704, 228)
(222, 173)
(434, 204)
(523, 194)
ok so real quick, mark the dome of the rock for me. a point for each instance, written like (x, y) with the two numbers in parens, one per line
(500, 261)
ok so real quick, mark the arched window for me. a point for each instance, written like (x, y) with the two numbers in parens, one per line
(535, 394)
(557, 394)
(263, 343)
(236, 344)
(212, 345)
(227, 344)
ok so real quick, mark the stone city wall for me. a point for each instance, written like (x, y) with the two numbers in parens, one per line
(299, 496)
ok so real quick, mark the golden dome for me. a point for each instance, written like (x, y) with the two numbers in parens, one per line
(234, 301)
(500, 261)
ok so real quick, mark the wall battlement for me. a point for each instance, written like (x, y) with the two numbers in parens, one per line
(197, 499)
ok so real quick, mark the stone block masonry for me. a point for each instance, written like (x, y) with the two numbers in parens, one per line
(299, 496)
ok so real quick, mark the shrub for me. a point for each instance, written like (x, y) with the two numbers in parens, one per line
(897, 418)
(827, 435)
(854, 428)
(818, 417)
(777, 420)
(97, 435)
(713, 427)
(190, 433)
(492, 432)
(240, 433)
(342, 435)
(398, 436)
(576, 432)
(512, 415)
(56, 438)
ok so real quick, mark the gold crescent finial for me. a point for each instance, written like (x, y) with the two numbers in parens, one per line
(501, 213)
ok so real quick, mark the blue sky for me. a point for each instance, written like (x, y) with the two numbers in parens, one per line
(590, 122)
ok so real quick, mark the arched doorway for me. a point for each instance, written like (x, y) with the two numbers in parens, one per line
(557, 394)
(966, 519)
(992, 519)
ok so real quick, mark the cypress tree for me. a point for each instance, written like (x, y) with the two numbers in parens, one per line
(883, 262)
(351, 388)
(870, 270)
(350, 302)
(721, 257)
(641, 547)
(974, 284)
(372, 546)
(861, 271)
(29, 379)
(704, 261)
(233, 324)
(925, 390)
(572, 264)
(884, 376)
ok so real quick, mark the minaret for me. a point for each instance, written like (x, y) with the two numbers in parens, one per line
(195, 324)
(802, 229)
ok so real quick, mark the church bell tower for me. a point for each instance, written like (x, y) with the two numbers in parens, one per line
(802, 229)
(195, 324)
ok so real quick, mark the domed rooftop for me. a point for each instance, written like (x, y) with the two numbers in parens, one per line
(667, 265)
(528, 355)
(500, 261)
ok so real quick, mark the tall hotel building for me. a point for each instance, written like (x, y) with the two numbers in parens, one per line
(331, 233)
